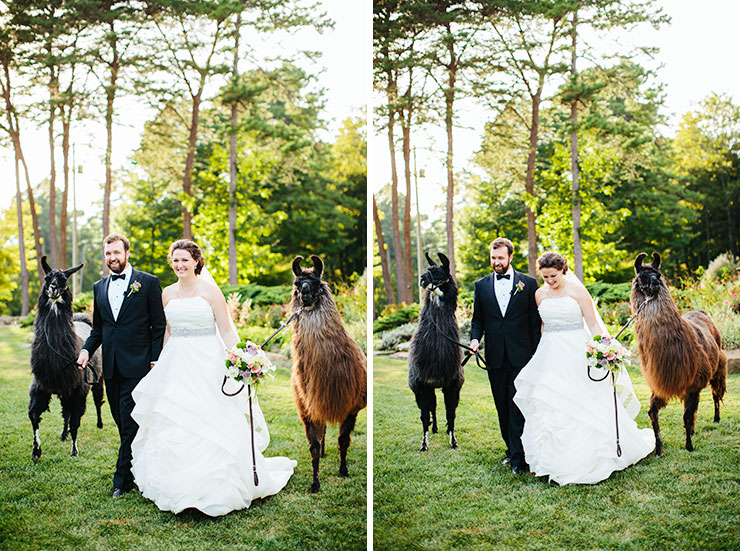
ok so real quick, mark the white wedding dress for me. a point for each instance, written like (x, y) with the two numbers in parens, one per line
(193, 446)
(569, 427)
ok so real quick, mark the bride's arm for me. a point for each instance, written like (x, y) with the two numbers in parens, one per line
(225, 326)
(588, 309)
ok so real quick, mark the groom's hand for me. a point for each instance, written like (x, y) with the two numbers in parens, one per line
(82, 359)
(474, 344)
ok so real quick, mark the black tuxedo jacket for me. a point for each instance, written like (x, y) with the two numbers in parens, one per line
(518, 331)
(135, 339)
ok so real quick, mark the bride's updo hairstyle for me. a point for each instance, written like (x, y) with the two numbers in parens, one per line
(553, 260)
(192, 248)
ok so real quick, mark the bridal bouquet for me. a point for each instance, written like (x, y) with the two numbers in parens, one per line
(606, 353)
(248, 363)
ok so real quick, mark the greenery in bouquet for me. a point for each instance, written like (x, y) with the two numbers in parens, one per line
(247, 362)
(606, 353)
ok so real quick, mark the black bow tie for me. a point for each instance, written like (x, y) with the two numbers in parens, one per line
(505, 276)
(117, 276)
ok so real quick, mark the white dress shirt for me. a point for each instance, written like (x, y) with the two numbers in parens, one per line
(117, 290)
(502, 288)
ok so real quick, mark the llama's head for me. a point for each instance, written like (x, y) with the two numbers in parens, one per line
(307, 285)
(436, 277)
(55, 284)
(648, 279)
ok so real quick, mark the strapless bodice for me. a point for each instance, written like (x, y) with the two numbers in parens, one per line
(562, 312)
(193, 315)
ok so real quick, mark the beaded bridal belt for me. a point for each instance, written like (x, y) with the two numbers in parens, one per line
(192, 331)
(559, 327)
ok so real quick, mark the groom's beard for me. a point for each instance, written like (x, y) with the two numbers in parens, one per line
(117, 267)
(501, 269)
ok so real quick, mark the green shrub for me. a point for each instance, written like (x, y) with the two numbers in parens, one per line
(258, 334)
(394, 337)
(260, 294)
(609, 293)
(393, 316)
(722, 268)
(83, 302)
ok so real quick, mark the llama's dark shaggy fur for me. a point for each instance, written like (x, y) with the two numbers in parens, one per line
(679, 355)
(57, 340)
(329, 378)
(434, 361)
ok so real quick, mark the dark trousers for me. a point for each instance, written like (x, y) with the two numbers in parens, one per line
(118, 390)
(510, 419)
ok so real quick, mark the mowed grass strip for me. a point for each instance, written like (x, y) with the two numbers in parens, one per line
(65, 502)
(466, 499)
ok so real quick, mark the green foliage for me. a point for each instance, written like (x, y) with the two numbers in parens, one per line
(396, 315)
(718, 299)
(724, 267)
(609, 293)
(83, 302)
(64, 503)
(398, 335)
(260, 294)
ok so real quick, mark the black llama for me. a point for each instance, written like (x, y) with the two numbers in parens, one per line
(434, 359)
(56, 344)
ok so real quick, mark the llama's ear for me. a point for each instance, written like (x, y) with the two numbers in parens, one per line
(297, 270)
(638, 262)
(445, 261)
(431, 262)
(656, 261)
(69, 272)
(45, 265)
(318, 265)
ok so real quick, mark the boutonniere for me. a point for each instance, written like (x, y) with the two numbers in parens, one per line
(135, 286)
(518, 288)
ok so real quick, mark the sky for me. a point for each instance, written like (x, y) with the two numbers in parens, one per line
(697, 52)
(344, 75)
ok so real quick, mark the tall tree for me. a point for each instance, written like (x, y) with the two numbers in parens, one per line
(8, 57)
(449, 53)
(117, 24)
(529, 35)
(390, 40)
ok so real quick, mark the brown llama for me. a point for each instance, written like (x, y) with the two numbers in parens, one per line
(329, 378)
(679, 355)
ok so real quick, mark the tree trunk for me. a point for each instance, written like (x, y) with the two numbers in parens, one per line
(110, 96)
(397, 252)
(233, 275)
(66, 121)
(449, 100)
(383, 255)
(15, 135)
(406, 127)
(529, 186)
(187, 231)
(53, 246)
(574, 165)
(21, 237)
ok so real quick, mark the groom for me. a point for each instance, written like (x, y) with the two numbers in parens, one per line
(505, 312)
(128, 320)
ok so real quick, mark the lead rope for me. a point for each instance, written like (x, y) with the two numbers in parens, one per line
(249, 395)
(614, 383)
(469, 352)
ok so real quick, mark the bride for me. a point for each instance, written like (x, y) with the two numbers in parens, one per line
(193, 446)
(569, 425)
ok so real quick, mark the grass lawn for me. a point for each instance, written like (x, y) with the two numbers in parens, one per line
(65, 502)
(465, 498)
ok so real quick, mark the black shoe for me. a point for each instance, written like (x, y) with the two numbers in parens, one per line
(118, 492)
(506, 460)
(518, 470)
